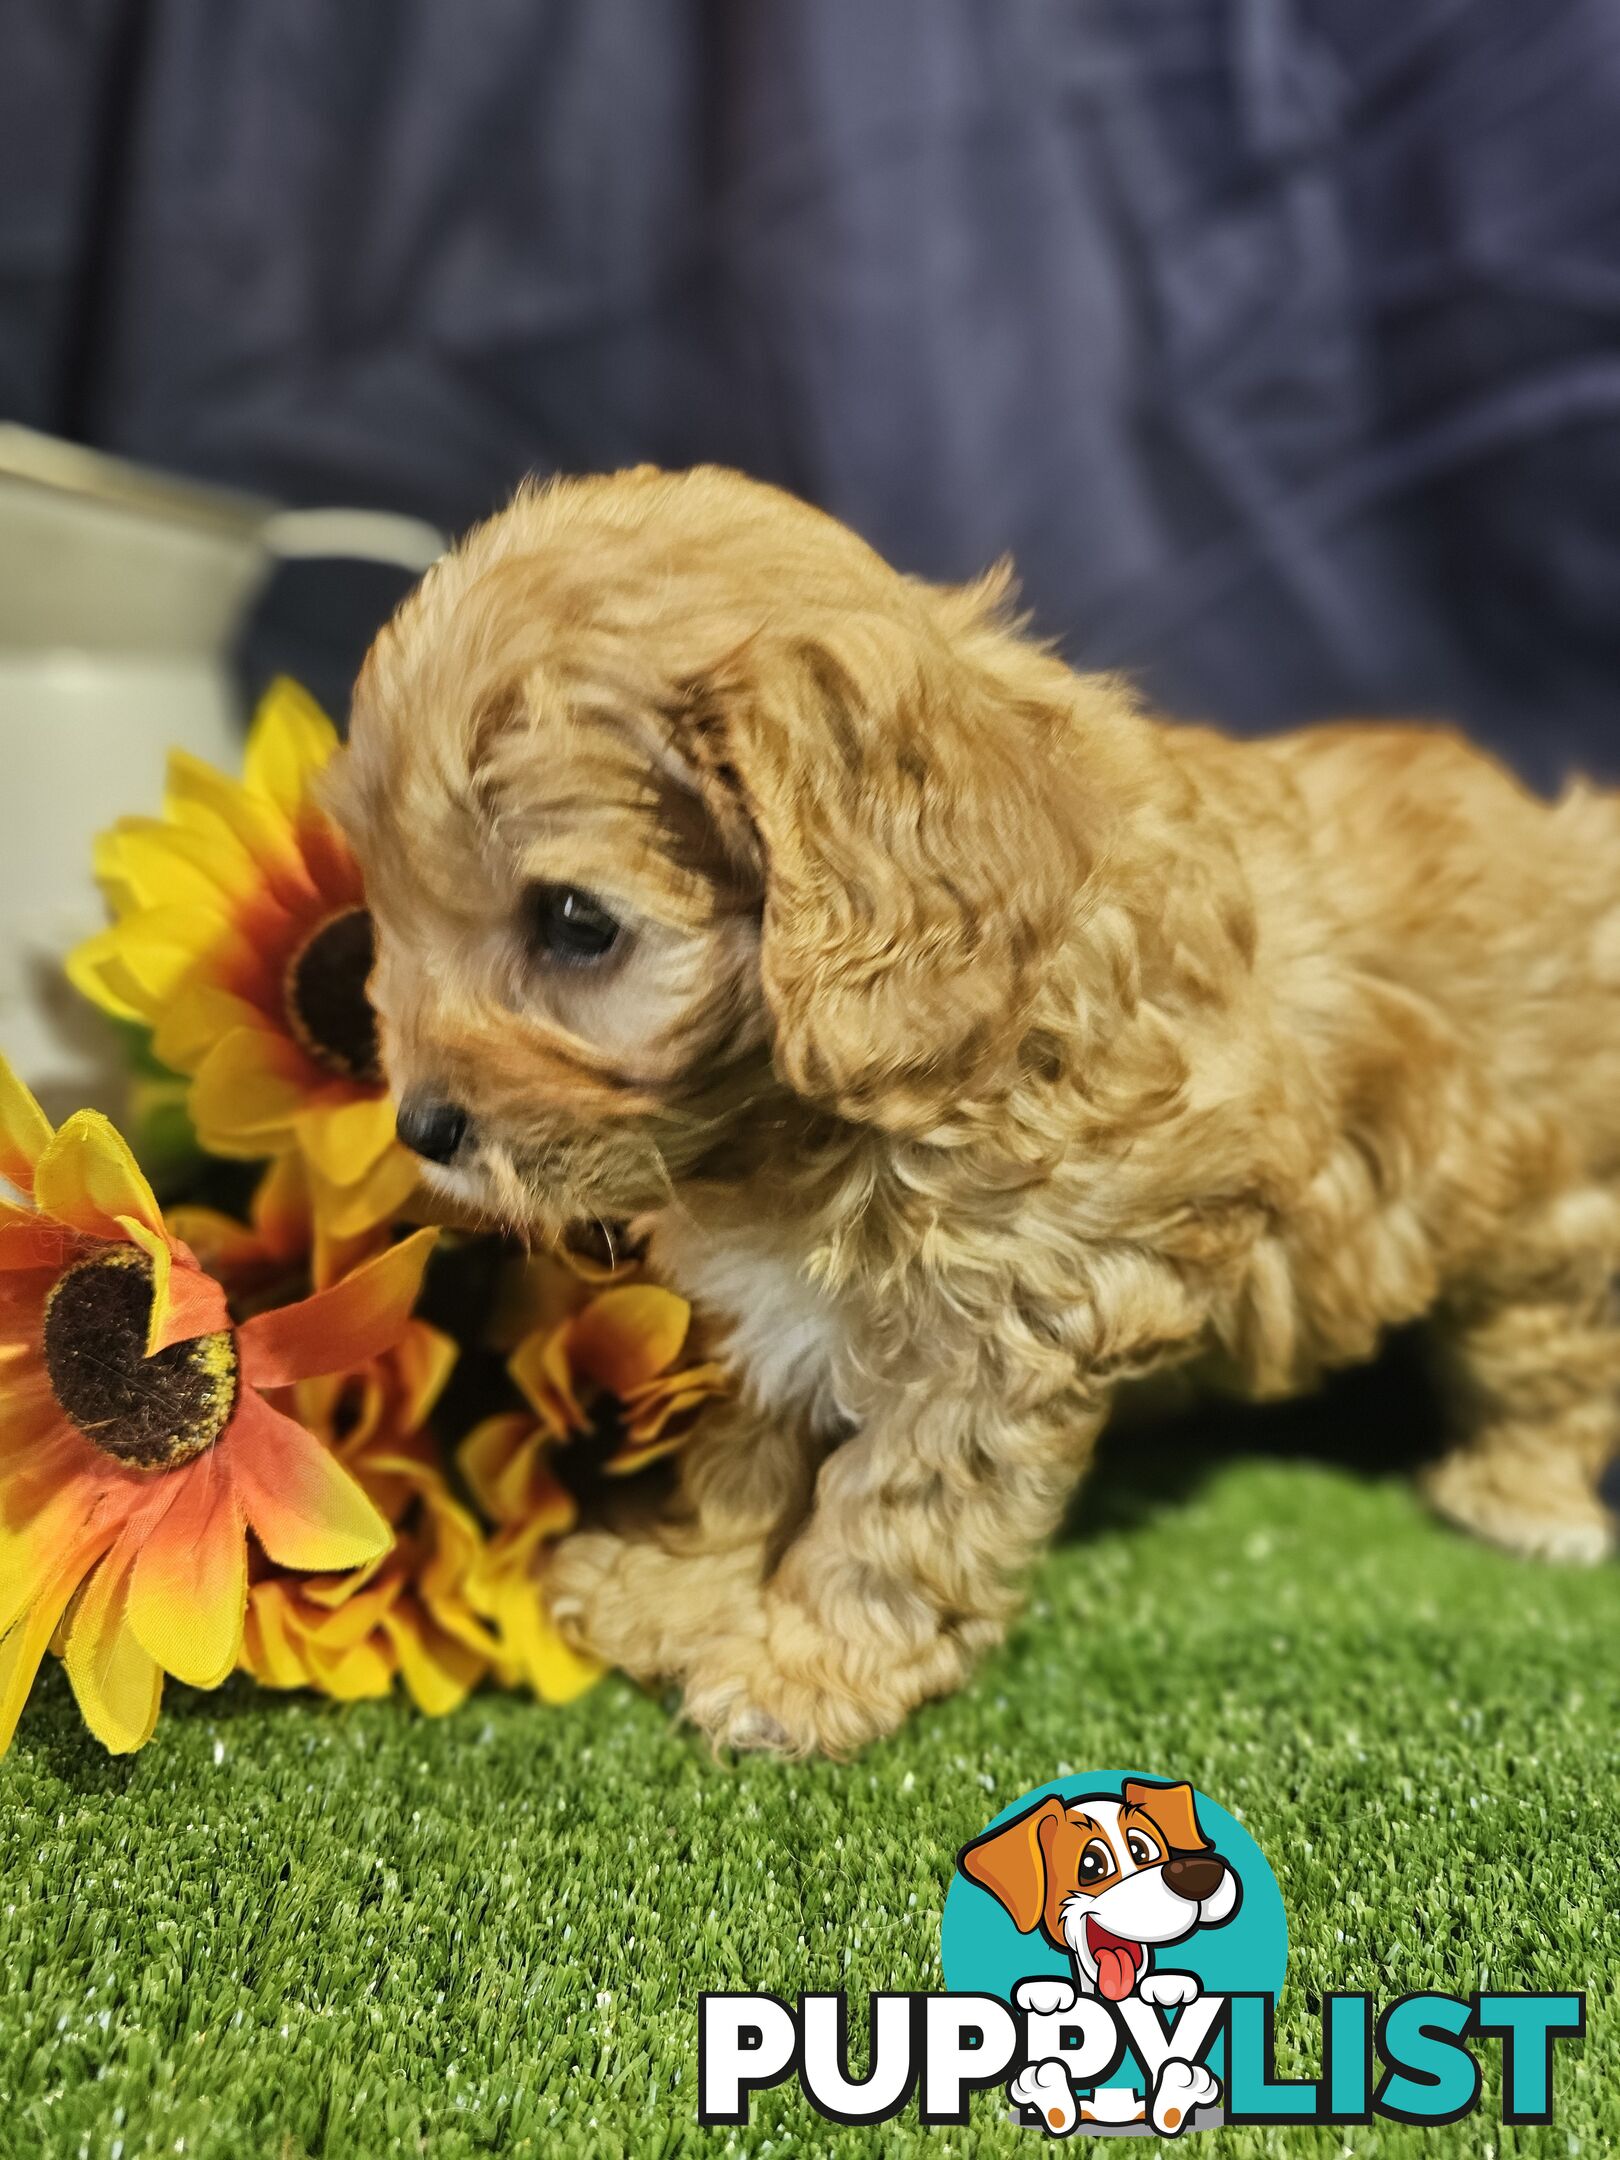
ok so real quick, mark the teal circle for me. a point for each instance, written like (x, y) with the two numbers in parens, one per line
(983, 1953)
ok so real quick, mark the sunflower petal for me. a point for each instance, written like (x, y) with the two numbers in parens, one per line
(118, 1684)
(539, 1367)
(197, 1019)
(118, 886)
(25, 1131)
(185, 1301)
(648, 1411)
(424, 1360)
(636, 1454)
(25, 1644)
(87, 1179)
(31, 1550)
(36, 1243)
(487, 1457)
(220, 1244)
(281, 1209)
(95, 967)
(556, 1672)
(29, 1416)
(628, 1336)
(21, 1654)
(454, 1545)
(156, 1249)
(357, 1318)
(195, 1306)
(359, 1674)
(301, 1504)
(439, 1673)
(248, 1092)
(343, 1140)
(152, 862)
(206, 800)
(359, 1397)
(140, 964)
(143, 863)
(268, 1650)
(188, 1590)
(349, 1211)
(342, 1610)
(290, 743)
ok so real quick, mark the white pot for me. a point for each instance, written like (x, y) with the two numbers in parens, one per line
(121, 597)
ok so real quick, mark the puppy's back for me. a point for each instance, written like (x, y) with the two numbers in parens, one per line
(1444, 875)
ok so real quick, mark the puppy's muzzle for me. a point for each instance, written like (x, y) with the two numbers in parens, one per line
(1194, 1876)
(431, 1127)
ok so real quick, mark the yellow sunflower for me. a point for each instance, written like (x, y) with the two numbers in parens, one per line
(610, 1373)
(241, 938)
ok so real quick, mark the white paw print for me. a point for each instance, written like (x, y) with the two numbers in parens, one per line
(1181, 2087)
(1045, 2087)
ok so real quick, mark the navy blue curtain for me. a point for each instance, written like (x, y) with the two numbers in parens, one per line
(1278, 340)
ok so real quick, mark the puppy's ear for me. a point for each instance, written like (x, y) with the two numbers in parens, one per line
(1173, 1809)
(1011, 1863)
(921, 841)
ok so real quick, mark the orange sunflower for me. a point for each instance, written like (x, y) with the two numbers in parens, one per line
(609, 1372)
(241, 938)
(405, 1614)
(137, 1446)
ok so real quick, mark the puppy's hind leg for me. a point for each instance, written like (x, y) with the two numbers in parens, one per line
(1532, 1349)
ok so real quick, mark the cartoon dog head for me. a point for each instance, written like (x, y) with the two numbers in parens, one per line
(1107, 1879)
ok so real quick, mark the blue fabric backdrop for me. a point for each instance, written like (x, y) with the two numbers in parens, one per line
(1279, 340)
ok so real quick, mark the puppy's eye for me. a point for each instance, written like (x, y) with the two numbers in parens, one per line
(566, 923)
(1095, 1862)
(1141, 1849)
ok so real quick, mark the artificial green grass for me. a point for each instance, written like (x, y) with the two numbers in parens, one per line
(288, 1928)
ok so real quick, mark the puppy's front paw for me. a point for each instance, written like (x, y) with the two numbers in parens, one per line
(749, 1699)
(653, 1613)
(721, 1704)
(578, 1587)
(628, 1603)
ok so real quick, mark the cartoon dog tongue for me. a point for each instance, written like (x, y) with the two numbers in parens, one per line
(1117, 1961)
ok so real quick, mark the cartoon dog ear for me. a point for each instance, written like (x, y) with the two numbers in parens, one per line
(1011, 1863)
(1172, 1808)
(921, 851)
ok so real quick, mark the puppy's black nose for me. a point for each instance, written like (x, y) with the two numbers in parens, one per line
(431, 1128)
(1195, 1875)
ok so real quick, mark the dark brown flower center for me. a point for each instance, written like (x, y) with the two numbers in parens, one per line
(151, 1412)
(325, 996)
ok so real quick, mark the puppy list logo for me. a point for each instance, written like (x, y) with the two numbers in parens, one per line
(1112, 1880)
(1114, 1946)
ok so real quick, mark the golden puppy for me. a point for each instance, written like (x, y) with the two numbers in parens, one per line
(970, 1043)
